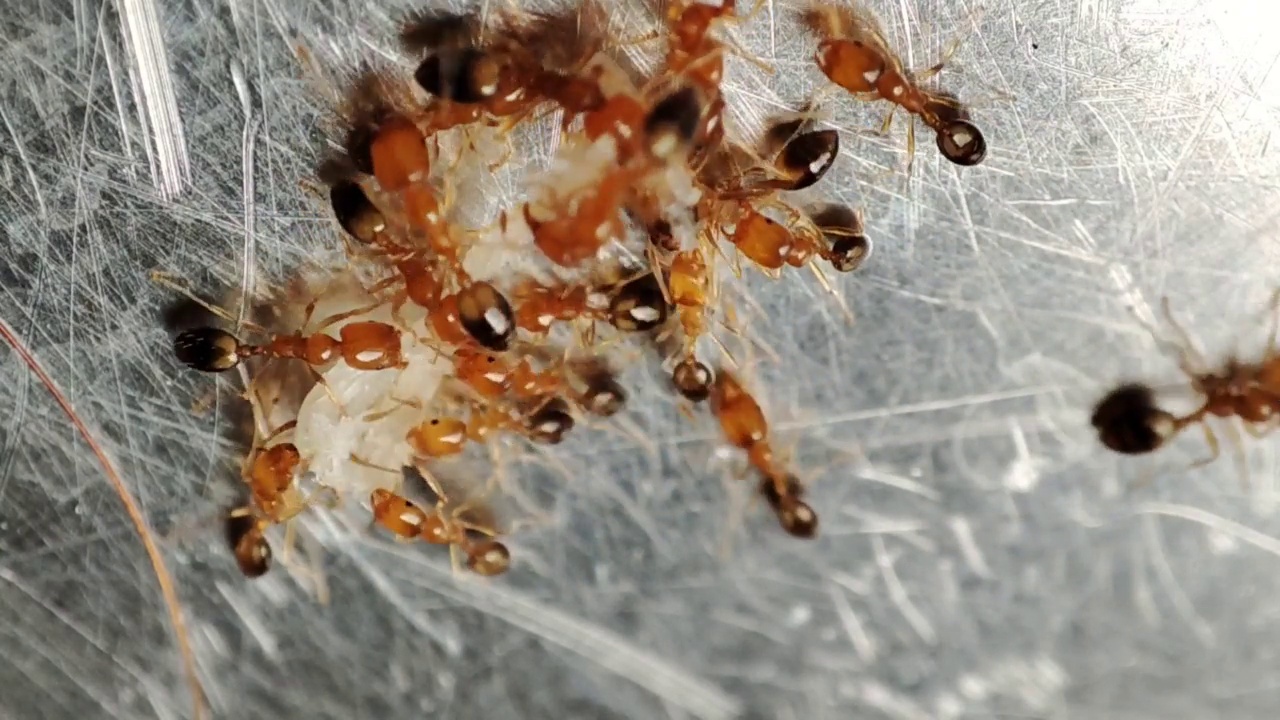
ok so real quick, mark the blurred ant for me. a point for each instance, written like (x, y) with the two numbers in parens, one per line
(1129, 421)
(854, 54)
(744, 426)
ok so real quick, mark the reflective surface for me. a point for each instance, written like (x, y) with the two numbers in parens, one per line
(980, 554)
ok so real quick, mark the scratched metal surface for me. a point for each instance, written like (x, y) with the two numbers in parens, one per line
(980, 555)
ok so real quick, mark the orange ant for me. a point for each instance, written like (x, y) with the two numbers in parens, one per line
(406, 520)
(635, 305)
(364, 345)
(1129, 421)
(853, 54)
(571, 230)
(492, 378)
(744, 426)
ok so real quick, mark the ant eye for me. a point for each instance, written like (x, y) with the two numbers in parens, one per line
(673, 122)
(638, 305)
(693, 380)
(961, 142)
(808, 157)
(487, 316)
(1128, 420)
(550, 423)
(355, 212)
(604, 397)
(207, 349)
(468, 76)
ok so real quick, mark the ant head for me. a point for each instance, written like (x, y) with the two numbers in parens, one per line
(489, 558)
(355, 212)
(1128, 420)
(248, 545)
(673, 122)
(693, 379)
(807, 157)
(207, 349)
(487, 316)
(550, 423)
(639, 305)
(962, 142)
(604, 396)
(467, 76)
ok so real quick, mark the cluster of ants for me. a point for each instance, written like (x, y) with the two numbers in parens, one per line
(646, 166)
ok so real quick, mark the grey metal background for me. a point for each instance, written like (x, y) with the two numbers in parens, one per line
(980, 555)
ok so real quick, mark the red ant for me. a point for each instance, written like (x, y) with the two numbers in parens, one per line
(744, 426)
(364, 345)
(444, 436)
(853, 54)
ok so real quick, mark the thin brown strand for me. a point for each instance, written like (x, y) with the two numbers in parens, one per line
(163, 578)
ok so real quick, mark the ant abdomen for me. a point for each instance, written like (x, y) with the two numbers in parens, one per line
(806, 158)
(794, 514)
(639, 305)
(673, 122)
(604, 396)
(207, 349)
(355, 212)
(550, 423)
(961, 142)
(487, 316)
(248, 544)
(1128, 420)
(841, 227)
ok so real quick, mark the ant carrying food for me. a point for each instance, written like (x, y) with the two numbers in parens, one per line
(853, 53)
(1128, 419)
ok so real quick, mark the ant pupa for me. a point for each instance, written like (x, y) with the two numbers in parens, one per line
(853, 53)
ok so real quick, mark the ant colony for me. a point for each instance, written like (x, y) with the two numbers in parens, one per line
(440, 334)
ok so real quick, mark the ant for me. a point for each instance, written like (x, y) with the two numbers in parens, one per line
(635, 305)
(744, 426)
(364, 345)
(854, 54)
(407, 521)
(1129, 421)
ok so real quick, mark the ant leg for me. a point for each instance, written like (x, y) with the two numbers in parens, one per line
(952, 46)
(339, 317)
(1190, 360)
(1239, 454)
